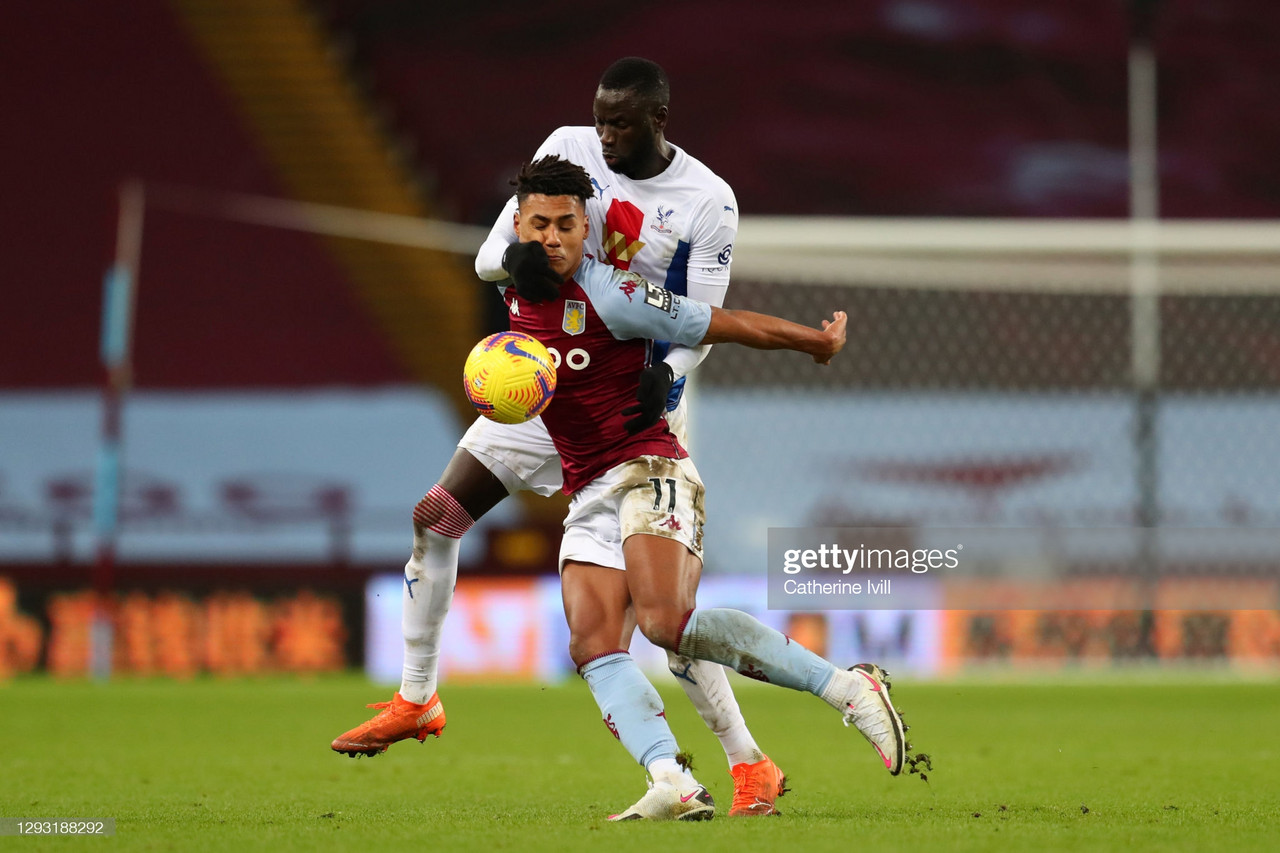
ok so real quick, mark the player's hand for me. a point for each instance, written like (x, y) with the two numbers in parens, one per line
(834, 338)
(655, 384)
(531, 272)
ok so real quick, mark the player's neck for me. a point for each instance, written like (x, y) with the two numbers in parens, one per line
(656, 163)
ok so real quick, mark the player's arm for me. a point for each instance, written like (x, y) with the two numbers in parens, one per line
(682, 359)
(502, 256)
(659, 314)
(709, 261)
(656, 381)
(715, 227)
(501, 235)
(764, 331)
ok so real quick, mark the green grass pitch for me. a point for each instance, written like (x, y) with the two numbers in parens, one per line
(1189, 763)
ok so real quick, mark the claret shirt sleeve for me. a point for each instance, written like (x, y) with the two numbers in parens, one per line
(634, 308)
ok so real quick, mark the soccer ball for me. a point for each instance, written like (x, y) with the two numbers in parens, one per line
(509, 377)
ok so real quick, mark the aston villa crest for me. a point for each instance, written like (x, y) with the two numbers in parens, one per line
(575, 317)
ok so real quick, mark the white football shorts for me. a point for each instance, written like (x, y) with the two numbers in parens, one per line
(651, 494)
(523, 457)
(520, 455)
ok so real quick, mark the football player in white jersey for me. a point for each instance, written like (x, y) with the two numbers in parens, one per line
(656, 211)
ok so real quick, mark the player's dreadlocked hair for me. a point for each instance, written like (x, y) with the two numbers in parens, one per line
(553, 175)
(642, 76)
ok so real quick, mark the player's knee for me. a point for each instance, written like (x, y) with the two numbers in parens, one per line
(430, 547)
(591, 638)
(577, 653)
(440, 512)
(429, 510)
(585, 649)
(660, 625)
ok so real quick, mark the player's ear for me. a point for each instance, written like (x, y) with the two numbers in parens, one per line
(660, 119)
(515, 221)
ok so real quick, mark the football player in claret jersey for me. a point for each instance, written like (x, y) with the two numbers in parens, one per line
(658, 212)
(633, 536)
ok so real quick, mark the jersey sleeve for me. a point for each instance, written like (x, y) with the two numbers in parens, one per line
(503, 232)
(684, 359)
(501, 235)
(715, 227)
(560, 143)
(632, 307)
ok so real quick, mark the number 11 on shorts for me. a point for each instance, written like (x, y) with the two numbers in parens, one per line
(657, 493)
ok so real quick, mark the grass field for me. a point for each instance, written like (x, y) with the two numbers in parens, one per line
(1185, 764)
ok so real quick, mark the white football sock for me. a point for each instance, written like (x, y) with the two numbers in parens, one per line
(707, 686)
(429, 582)
(429, 578)
(668, 770)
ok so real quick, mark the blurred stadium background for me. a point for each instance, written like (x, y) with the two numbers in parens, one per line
(1020, 356)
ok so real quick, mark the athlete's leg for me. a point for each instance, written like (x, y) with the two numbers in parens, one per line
(595, 603)
(465, 492)
(594, 589)
(665, 497)
(659, 573)
(663, 563)
(707, 687)
(706, 683)
(595, 599)
(491, 461)
(757, 781)
(739, 640)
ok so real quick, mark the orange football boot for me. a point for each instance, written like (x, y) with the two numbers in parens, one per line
(400, 719)
(756, 787)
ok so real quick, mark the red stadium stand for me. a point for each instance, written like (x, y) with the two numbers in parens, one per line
(982, 107)
(114, 97)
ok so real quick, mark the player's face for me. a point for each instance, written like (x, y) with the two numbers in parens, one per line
(559, 223)
(628, 129)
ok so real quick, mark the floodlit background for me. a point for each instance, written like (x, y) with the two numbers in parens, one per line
(259, 172)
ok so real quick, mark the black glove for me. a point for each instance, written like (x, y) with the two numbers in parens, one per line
(655, 384)
(531, 272)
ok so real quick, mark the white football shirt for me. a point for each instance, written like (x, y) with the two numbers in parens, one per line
(675, 229)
